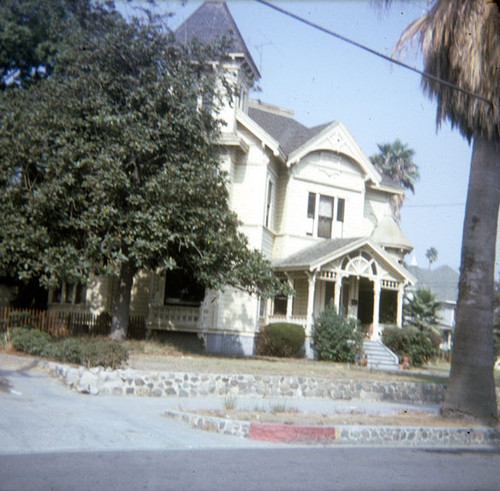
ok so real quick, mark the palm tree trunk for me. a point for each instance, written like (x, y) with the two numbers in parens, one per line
(471, 388)
(121, 304)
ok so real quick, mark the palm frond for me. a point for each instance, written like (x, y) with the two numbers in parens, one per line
(460, 43)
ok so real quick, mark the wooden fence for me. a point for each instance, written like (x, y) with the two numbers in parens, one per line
(61, 324)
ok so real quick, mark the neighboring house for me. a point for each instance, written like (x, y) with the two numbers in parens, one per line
(308, 198)
(443, 282)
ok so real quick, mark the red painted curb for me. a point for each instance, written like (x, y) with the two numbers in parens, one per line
(292, 433)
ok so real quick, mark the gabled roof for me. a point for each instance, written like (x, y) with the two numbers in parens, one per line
(287, 131)
(443, 281)
(296, 140)
(388, 234)
(328, 250)
(211, 21)
(312, 256)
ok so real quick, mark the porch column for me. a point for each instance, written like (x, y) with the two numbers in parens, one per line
(376, 309)
(310, 301)
(289, 302)
(399, 312)
(336, 296)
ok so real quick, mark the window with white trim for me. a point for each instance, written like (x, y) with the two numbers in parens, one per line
(269, 203)
(320, 214)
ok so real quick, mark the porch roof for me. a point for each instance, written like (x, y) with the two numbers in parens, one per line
(314, 255)
(328, 250)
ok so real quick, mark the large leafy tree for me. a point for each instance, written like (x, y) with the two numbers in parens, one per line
(109, 165)
(395, 161)
(460, 43)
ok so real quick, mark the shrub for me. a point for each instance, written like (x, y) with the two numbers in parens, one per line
(281, 339)
(88, 352)
(336, 338)
(68, 350)
(411, 342)
(103, 352)
(30, 341)
(91, 352)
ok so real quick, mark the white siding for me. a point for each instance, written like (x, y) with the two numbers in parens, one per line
(237, 312)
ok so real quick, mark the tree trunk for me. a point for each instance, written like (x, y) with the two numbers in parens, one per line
(121, 303)
(471, 387)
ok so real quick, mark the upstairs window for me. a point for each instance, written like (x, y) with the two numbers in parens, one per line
(325, 216)
(340, 209)
(269, 202)
(311, 213)
(320, 214)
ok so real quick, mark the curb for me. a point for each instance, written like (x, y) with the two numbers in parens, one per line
(344, 434)
(292, 433)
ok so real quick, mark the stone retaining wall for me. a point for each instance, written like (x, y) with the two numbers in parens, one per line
(355, 435)
(99, 381)
(417, 436)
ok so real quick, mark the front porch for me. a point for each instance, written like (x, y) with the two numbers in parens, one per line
(363, 281)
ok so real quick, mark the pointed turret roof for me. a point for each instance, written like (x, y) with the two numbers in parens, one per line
(388, 234)
(211, 21)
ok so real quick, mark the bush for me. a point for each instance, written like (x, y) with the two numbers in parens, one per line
(411, 342)
(30, 341)
(281, 339)
(103, 352)
(68, 350)
(336, 338)
(88, 352)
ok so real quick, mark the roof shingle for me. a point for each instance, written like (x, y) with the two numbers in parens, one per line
(208, 23)
(287, 131)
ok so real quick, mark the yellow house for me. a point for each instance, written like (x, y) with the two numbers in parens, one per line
(308, 198)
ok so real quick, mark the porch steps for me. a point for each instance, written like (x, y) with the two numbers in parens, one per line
(379, 356)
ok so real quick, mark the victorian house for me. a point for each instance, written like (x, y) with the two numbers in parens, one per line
(308, 198)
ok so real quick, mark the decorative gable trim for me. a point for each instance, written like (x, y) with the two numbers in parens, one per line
(336, 255)
(336, 137)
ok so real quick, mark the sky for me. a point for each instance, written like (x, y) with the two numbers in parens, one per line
(324, 79)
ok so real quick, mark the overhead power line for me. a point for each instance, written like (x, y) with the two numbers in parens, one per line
(373, 52)
(436, 205)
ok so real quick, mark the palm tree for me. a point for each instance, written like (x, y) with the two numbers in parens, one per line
(395, 161)
(421, 310)
(431, 254)
(460, 43)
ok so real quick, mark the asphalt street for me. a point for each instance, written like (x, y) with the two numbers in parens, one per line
(294, 468)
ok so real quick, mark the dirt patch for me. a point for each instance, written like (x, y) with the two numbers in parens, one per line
(404, 418)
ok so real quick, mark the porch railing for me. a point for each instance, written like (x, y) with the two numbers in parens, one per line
(173, 317)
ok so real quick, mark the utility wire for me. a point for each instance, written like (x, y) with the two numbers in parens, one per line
(372, 51)
(441, 205)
